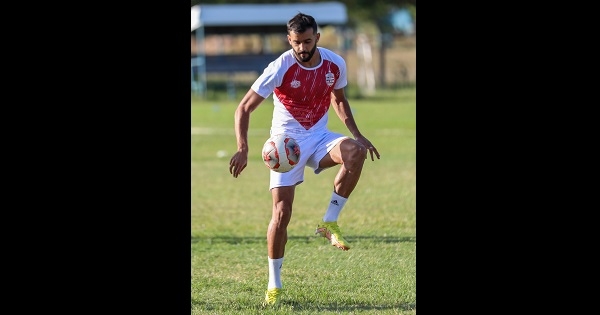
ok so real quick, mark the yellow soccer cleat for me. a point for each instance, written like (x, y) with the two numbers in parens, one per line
(331, 231)
(272, 297)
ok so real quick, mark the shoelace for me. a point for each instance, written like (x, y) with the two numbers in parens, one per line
(272, 295)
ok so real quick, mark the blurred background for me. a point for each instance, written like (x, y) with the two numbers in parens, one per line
(231, 43)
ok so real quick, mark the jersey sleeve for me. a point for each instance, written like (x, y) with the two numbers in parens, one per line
(343, 79)
(266, 83)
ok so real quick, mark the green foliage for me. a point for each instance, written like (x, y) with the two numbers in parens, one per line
(230, 217)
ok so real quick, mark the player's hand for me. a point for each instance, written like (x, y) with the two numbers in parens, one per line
(369, 147)
(238, 163)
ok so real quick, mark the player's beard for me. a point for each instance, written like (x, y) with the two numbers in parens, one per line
(310, 54)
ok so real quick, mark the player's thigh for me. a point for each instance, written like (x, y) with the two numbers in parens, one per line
(333, 157)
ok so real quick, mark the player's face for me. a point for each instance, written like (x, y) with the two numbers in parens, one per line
(304, 44)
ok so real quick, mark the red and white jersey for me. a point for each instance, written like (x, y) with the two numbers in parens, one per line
(301, 96)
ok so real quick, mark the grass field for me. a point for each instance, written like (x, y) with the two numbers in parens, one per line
(230, 217)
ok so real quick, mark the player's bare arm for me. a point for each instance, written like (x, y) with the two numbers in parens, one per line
(247, 105)
(342, 109)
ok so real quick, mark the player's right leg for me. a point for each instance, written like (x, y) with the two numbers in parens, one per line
(283, 198)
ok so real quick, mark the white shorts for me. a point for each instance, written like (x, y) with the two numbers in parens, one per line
(312, 149)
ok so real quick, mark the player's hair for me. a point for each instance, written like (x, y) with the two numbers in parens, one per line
(301, 22)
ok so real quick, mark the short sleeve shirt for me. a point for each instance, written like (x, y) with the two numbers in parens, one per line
(301, 96)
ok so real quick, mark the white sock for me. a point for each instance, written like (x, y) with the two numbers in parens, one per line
(335, 206)
(275, 273)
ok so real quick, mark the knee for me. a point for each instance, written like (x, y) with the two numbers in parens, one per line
(354, 152)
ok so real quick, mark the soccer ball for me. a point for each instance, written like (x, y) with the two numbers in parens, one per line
(281, 153)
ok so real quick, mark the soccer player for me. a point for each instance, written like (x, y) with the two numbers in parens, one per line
(305, 81)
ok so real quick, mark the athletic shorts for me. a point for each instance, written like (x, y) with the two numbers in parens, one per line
(313, 148)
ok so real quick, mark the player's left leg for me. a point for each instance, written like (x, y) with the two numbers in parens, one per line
(351, 155)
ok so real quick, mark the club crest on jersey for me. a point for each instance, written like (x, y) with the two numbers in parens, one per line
(329, 78)
(295, 84)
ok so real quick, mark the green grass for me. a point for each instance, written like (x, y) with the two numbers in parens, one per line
(230, 217)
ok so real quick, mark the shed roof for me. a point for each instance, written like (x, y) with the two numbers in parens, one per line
(262, 18)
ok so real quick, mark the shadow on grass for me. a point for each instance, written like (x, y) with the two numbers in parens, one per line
(339, 307)
(314, 307)
(234, 240)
